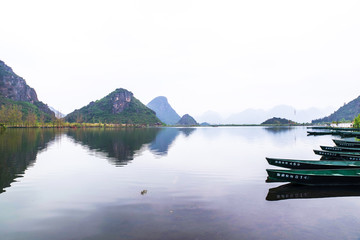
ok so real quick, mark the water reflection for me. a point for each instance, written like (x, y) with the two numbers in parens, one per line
(293, 191)
(18, 150)
(279, 129)
(187, 131)
(120, 145)
(164, 139)
(210, 187)
(163, 220)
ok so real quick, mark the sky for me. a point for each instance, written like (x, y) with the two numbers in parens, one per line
(223, 56)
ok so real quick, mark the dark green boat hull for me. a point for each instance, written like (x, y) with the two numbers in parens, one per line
(340, 149)
(349, 156)
(312, 164)
(323, 177)
(345, 143)
(345, 134)
(321, 133)
(335, 128)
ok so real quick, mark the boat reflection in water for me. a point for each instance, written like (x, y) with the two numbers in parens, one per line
(294, 191)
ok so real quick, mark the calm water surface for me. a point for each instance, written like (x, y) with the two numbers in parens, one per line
(165, 183)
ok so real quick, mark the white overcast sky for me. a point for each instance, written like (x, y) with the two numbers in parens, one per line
(224, 56)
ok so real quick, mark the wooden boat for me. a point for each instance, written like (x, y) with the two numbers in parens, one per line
(331, 177)
(340, 149)
(320, 132)
(335, 128)
(295, 191)
(312, 164)
(348, 134)
(331, 132)
(343, 134)
(345, 129)
(347, 143)
(350, 156)
(319, 127)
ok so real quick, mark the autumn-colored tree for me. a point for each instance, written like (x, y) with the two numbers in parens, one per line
(79, 118)
(3, 114)
(42, 119)
(59, 120)
(14, 115)
(31, 119)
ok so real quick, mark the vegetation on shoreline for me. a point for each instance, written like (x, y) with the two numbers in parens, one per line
(261, 125)
(19, 112)
(356, 122)
(13, 116)
(62, 124)
(59, 123)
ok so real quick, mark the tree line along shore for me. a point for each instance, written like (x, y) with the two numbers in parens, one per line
(13, 116)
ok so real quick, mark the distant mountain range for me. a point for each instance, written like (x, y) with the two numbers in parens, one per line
(58, 114)
(120, 106)
(347, 112)
(167, 114)
(257, 116)
(163, 110)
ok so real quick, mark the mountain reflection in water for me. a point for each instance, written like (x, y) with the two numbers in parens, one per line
(279, 129)
(160, 145)
(19, 147)
(209, 185)
(18, 151)
(293, 191)
(121, 145)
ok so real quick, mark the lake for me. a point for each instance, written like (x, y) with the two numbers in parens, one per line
(165, 183)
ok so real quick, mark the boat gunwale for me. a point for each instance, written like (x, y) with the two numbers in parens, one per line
(340, 147)
(353, 154)
(318, 162)
(319, 172)
(346, 141)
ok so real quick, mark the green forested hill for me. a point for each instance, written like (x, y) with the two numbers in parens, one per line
(278, 121)
(25, 108)
(347, 112)
(18, 101)
(120, 106)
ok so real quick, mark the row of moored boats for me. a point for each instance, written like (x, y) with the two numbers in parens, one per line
(339, 165)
